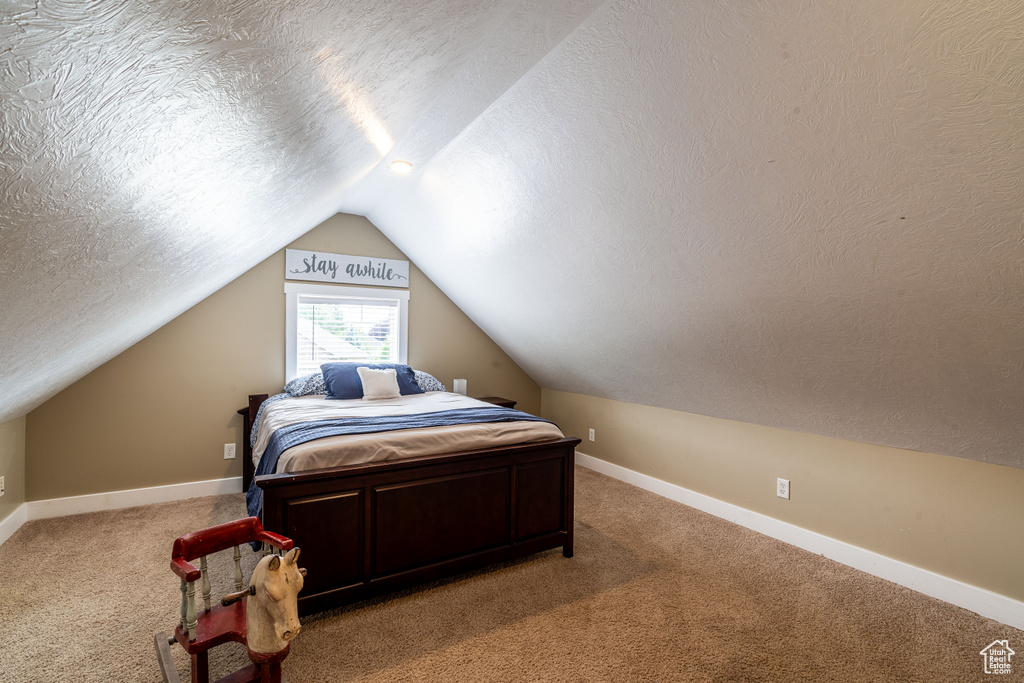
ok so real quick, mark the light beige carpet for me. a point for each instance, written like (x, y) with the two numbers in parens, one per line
(656, 592)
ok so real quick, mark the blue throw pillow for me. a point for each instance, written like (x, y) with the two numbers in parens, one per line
(306, 385)
(428, 382)
(343, 381)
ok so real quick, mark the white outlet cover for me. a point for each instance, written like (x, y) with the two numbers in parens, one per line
(782, 488)
(229, 451)
(591, 434)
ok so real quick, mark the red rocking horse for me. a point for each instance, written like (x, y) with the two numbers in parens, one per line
(264, 617)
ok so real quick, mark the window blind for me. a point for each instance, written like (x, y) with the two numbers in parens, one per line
(345, 329)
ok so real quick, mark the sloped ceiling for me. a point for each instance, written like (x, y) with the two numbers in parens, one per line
(805, 215)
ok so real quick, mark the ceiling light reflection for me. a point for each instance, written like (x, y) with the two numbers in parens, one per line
(332, 70)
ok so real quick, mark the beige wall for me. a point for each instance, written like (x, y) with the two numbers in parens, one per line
(12, 465)
(959, 518)
(161, 412)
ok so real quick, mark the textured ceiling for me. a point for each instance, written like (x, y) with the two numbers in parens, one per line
(806, 215)
(151, 152)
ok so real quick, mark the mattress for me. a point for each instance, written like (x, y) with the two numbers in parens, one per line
(354, 449)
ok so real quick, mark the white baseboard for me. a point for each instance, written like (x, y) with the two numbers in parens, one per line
(95, 502)
(13, 522)
(986, 603)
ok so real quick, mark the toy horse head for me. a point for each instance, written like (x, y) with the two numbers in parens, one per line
(272, 615)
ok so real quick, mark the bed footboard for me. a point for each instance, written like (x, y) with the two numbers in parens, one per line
(370, 529)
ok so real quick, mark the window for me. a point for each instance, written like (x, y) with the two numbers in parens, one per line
(326, 323)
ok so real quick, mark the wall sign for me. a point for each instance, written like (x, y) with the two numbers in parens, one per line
(319, 266)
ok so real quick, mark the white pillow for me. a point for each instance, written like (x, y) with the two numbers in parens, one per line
(379, 383)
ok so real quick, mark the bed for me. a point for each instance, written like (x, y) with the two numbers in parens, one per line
(386, 516)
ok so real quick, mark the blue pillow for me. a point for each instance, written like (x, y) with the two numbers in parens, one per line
(428, 382)
(306, 385)
(343, 381)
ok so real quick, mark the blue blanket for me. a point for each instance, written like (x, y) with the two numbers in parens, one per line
(293, 435)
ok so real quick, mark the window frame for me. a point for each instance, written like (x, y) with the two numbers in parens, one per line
(293, 290)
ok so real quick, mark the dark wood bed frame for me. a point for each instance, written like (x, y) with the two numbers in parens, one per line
(370, 529)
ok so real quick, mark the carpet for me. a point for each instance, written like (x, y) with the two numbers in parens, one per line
(656, 591)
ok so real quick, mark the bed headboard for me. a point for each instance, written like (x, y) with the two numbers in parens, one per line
(248, 414)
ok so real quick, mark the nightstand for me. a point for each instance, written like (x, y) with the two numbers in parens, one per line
(498, 401)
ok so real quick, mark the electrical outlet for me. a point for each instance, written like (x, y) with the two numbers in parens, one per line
(1, 486)
(782, 488)
(591, 433)
(229, 451)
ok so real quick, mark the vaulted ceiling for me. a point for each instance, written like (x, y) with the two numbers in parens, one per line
(805, 215)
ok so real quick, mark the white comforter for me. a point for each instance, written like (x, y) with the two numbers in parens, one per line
(355, 449)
